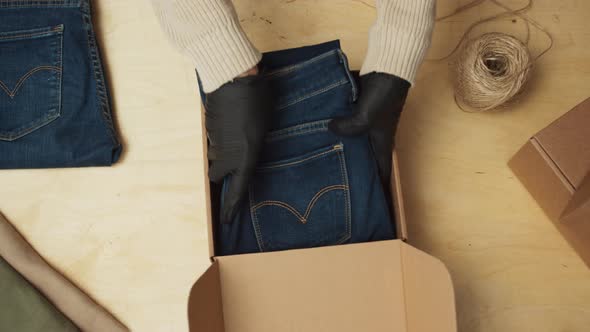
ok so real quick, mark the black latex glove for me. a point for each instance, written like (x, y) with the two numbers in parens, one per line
(237, 116)
(376, 112)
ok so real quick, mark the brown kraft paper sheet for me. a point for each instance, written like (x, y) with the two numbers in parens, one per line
(67, 297)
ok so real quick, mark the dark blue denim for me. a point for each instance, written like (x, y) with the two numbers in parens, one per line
(311, 188)
(55, 109)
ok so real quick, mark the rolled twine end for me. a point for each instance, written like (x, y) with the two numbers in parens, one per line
(490, 71)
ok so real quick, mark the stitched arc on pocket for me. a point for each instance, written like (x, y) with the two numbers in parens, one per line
(12, 92)
(302, 202)
(30, 80)
(302, 218)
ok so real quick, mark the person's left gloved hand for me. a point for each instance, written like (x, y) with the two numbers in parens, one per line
(376, 112)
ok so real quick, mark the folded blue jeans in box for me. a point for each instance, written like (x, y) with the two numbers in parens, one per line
(54, 104)
(311, 187)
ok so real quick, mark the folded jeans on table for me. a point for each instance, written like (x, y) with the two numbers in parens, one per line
(311, 187)
(54, 105)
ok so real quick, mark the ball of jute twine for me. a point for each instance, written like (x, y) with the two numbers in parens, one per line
(490, 71)
(493, 69)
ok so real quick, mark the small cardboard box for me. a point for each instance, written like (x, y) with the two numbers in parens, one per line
(381, 286)
(554, 166)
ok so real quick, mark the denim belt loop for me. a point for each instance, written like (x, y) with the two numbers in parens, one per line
(344, 61)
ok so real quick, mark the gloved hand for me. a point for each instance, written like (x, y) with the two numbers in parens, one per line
(237, 116)
(376, 112)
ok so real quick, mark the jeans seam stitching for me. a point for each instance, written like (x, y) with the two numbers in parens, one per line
(289, 69)
(256, 224)
(40, 4)
(34, 125)
(52, 114)
(345, 188)
(297, 133)
(344, 61)
(344, 175)
(30, 35)
(302, 218)
(99, 78)
(12, 93)
(318, 195)
(298, 129)
(321, 154)
(313, 94)
(281, 204)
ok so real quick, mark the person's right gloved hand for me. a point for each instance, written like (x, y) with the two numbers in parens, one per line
(237, 116)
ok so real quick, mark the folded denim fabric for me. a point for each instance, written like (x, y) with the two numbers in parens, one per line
(69, 299)
(24, 308)
(55, 109)
(311, 188)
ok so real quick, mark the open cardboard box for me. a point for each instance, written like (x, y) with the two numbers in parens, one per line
(386, 286)
(554, 166)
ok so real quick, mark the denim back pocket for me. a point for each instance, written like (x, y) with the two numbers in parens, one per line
(30, 80)
(302, 202)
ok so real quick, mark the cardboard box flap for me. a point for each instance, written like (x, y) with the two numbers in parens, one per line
(574, 223)
(562, 142)
(554, 166)
(204, 305)
(346, 288)
(579, 205)
(542, 179)
(430, 299)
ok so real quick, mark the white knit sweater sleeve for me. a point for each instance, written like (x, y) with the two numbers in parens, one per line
(209, 32)
(400, 37)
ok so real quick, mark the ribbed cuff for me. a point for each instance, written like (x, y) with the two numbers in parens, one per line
(209, 32)
(400, 38)
(222, 55)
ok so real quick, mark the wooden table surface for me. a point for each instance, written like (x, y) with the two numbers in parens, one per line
(134, 236)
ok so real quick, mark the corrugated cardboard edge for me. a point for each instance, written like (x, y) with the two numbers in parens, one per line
(207, 186)
(398, 200)
(205, 308)
(553, 165)
(578, 234)
(555, 195)
(427, 296)
(430, 302)
(543, 180)
(562, 140)
(575, 217)
(579, 201)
